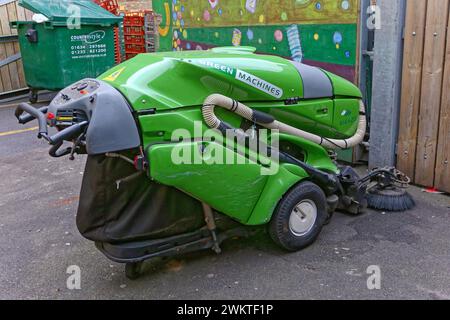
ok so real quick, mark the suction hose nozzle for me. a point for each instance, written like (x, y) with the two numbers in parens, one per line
(267, 121)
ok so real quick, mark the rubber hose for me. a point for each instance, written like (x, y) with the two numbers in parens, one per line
(217, 100)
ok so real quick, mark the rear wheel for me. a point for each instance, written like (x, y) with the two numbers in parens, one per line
(133, 270)
(299, 217)
(33, 96)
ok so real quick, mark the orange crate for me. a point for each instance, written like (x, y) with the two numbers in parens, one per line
(133, 31)
(134, 39)
(134, 48)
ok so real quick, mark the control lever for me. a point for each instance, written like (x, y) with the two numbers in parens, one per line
(67, 134)
(58, 140)
(55, 153)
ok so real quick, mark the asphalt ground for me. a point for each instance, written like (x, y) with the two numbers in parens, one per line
(39, 241)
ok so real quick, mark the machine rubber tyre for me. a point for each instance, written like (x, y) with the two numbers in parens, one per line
(33, 96)
(133, 270)
(299, 217)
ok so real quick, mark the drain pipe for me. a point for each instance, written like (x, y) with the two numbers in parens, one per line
(269, 122)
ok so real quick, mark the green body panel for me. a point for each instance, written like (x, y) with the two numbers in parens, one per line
(238, 190)
(174, 80)
(161, 126)
(168, 90)
(276, 187)
(232, 189)
(346, 113)
(343, 88)
(59, 58)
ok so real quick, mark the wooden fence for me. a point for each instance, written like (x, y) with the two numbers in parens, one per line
(424, 136)
(11, 70)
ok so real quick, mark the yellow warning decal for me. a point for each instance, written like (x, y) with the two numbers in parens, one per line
(113, 76)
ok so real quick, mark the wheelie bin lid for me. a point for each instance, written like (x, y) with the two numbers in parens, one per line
(59, 12)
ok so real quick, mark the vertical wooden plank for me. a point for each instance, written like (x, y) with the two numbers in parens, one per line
(443, 157)
(20, 12)
(10, 50)
(12, 15)
(411, 85)
(28, 15)
(2, 88)
(21, 16)
(435, 43)
(1, 85)
(4, 71)
(21, 73)
(13, 71)
(4, 21)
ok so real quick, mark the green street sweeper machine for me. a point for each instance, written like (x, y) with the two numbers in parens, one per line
(186, 149)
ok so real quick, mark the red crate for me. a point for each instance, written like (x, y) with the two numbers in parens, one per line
(130, 55)
(133, 31)
(134, 39)
(135, 18)
(109, 5)
(117, 53)
(134, 48)
(130, 21)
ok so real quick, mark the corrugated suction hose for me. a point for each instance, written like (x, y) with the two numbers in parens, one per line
(269, 122)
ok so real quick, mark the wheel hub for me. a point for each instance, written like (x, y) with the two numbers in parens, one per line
(303, 217)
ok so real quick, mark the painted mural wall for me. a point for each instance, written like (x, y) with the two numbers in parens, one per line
(322, 33)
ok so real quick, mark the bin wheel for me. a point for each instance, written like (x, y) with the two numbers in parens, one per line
(33, 96)
(299, 217)
(133, 270)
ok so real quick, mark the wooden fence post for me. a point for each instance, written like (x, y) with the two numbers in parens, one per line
(431, 92)
(411, 85)
(443, 157)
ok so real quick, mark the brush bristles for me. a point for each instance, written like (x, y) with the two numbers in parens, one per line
(393, 203)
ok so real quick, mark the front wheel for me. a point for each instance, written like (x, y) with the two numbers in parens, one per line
(299, 217)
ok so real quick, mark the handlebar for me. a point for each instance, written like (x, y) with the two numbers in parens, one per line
(56, 140)
(33, 113)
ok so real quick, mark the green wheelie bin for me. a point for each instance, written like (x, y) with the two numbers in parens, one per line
(76, 42)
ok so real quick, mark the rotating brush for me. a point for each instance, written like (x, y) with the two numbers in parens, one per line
(391, 199)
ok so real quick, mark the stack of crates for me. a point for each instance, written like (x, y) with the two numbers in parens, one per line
(140, 32)
(113, 7)
(134, 34)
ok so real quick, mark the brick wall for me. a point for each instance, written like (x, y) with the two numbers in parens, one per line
(135, 4)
